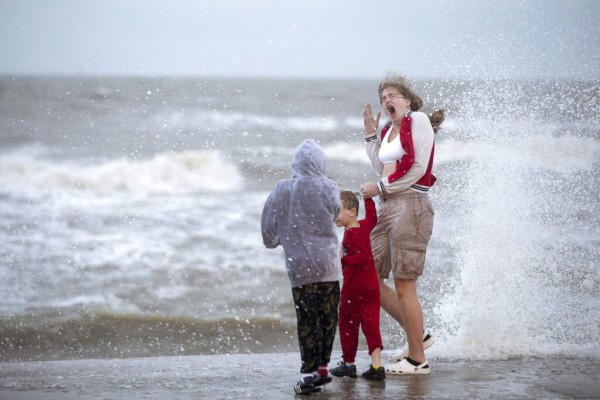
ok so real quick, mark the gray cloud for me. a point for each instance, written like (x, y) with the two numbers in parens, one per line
(334, 38)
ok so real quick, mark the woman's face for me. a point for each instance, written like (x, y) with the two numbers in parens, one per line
(394, 104)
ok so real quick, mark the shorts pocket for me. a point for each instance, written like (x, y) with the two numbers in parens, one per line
(424, 221)
(411, 265)
(425, 227)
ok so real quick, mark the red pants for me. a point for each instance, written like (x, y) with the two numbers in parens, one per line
(359, 309)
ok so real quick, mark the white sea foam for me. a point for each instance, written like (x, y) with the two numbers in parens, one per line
(451, 150)
(354, 122)
(563, 154)
(227, 119)
(349, 152)
(311, 124)
(189, 171)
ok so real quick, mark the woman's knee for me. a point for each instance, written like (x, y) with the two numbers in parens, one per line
(405, 287)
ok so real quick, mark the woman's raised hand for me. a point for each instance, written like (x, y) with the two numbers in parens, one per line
(371, 123)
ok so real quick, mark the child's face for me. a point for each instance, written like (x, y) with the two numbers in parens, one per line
(345, 218)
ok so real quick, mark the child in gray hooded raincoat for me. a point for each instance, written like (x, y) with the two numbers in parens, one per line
(300, 216)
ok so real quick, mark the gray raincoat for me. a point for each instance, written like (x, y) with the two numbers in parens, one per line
(300, 216)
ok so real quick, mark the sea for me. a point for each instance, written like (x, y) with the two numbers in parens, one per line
(130, 214)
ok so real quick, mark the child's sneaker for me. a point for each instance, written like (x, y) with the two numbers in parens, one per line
(406, 367)
(428, 341)
(344, 370)
(374, 374)
(306, 386)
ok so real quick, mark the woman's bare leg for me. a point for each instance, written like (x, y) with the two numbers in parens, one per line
(412, 317)
(390, 301)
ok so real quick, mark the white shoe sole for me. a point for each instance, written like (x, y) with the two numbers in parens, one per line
(406, 368)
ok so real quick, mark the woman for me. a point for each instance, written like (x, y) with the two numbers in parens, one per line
(403, 157)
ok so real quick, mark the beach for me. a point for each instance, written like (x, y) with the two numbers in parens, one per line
(272, 376)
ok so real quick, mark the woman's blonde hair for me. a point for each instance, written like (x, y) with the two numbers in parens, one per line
(403, 86)
(436, 118)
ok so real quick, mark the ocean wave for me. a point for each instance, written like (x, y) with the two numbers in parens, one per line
(347, 152)
(235, 119)
(105, 335)
(188, 171)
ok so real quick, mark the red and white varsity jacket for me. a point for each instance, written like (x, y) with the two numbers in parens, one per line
(414, 170)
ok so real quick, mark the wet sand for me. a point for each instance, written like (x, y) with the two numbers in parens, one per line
(272, 376)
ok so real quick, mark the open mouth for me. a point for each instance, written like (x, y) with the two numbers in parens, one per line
(391, 110)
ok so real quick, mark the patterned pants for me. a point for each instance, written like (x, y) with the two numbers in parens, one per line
(317, 316)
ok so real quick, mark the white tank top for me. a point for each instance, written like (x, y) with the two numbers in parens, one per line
(391, 152)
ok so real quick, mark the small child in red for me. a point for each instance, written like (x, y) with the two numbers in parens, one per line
(359, 299)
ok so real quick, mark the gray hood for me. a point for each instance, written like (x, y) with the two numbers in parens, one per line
(309, 159)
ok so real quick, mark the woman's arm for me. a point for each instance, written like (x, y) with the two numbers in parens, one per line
(372, 146)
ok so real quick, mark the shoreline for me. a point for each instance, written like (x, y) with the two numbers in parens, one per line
(272, 376)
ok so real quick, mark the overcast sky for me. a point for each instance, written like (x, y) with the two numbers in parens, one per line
(302, 38)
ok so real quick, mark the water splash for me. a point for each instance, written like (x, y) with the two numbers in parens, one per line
(524, 286)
